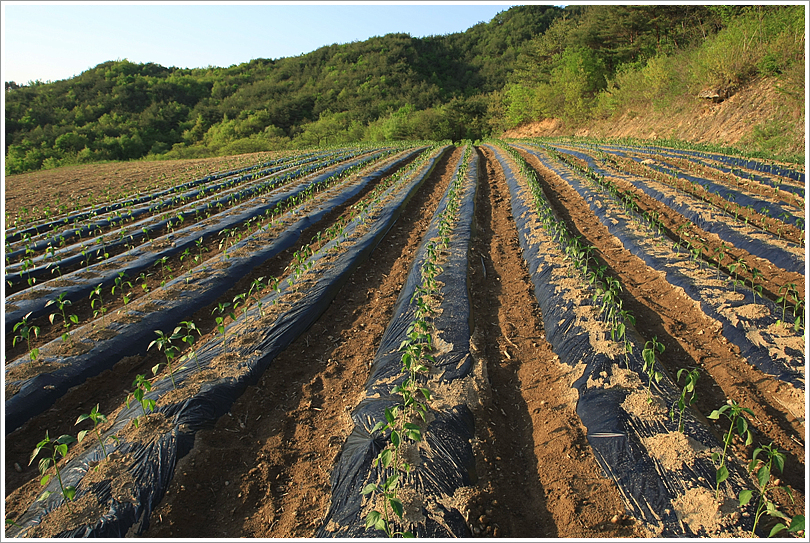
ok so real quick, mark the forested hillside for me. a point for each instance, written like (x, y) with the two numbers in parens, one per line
(530, 62)
(614, 64)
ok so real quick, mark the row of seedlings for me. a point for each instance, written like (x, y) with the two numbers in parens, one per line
(410, 449)
(700, 218)
(693, 151)
(688, 222)
(143, 455)
(32, 232)
(775, 187)
(84, 351)
(707, 182)
(260, 199)
(633, 411)
(771, 267)
(54, 214)
(786, 220)
(748, 321)
(772, 168)
(163, 217)
(59, 257)
(734, 195)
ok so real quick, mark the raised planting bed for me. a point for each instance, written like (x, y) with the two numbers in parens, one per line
(195, 395)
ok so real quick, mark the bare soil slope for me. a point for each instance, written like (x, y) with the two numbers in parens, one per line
(731, 122)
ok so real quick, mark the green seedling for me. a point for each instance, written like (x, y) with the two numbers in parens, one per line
(798, 311)
(67, 320)
(141, 386)
(186, 254)
(165, 269)
(164, 343)
(789, 288)
(739, 425)
(648, 354)
(763, 472)
(221, 307)
(720, 255)
(200, 250)
(187, 328)
(97, 418)
(240, 300)
(102, 253)
(256, 287)
(383, 521)
(25, 330)
(120, 282)
(56, 448)
(756, 274)
(97, 303)
(626, 316)
(688, 388)
(143, 278)
(739, 263)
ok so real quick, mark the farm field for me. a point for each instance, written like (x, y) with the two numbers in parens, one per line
(248, 327)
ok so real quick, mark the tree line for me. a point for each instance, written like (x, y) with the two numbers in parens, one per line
(528, 62)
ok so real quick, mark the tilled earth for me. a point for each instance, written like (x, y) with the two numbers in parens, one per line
(263, 470)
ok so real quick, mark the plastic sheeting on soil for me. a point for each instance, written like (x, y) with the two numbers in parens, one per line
(143, 257)
(616, 434)
(711, 159)
(72, 256)
(125, 512)
(755, 332)
(787, 214)
(747, 163)
(783, 212)
(688, 206)
(446, 461)
(163, 309)
(99, 211)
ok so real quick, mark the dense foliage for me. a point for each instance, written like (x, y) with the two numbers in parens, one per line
(389, 87)
(528, 62)
(606, 60)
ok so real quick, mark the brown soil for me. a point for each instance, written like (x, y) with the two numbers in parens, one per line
(691, 339)
(264, 469)
(529, 418)
(730, 122)
(146, 284)
(72, 184)
(678, 228)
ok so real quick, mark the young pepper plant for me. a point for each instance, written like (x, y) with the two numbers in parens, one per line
(187, 328)
(97, 418)
(689, 387)
(763, 469)
(56, 448)
(141, 386)
(648, 354)
(25, 330)
(739, 425)
(164, 343)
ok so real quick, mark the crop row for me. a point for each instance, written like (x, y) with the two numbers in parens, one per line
(193, 207)
(252, 331)
(628, 441)
(410, 455)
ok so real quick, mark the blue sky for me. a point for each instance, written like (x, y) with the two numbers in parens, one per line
(53, 41)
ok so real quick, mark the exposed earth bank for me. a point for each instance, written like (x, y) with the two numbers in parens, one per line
(758, 113)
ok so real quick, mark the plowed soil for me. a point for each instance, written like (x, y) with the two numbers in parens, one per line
(263, 470)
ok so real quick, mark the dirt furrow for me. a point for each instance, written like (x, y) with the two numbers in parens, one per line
(270, 478)
(691, 340)
(538, 476)
(109, 388)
